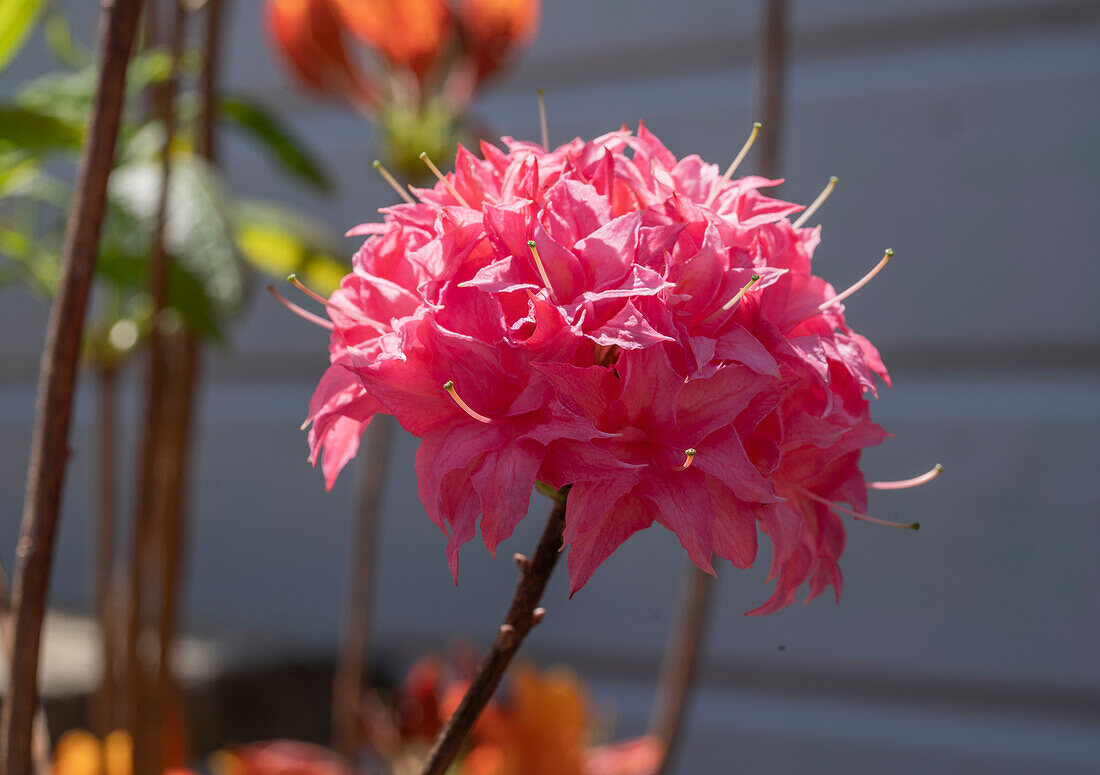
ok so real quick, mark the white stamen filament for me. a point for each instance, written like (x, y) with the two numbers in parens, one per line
(442, 179)
(386, 176)
(350, 313)
(859, 283)
(808, 213)
(905, 484)
(855, 514)
(738, 296)
(449, 386)
(299, 311)
(733, 165)
(540, 267)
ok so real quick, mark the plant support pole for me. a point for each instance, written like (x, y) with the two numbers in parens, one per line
(53, 415)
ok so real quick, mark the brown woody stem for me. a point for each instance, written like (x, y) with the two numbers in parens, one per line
(347, 682)
(680, 664)
(49, 447)
(521, 618)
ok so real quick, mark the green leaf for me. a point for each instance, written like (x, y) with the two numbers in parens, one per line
(34, 265)
(17, 19)
(68, 94)
(261, 124)
(59, 40)
(17, 169)
(23, 128)
(186, 294)
(197, 231)
(278, 242)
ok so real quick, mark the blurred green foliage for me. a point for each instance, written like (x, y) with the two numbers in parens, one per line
(214, 239)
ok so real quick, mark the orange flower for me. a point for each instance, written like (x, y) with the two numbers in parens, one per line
(496, 27)
(81, 753)
(544, 731)
(308, 32)
(550, 722)
(409, 33)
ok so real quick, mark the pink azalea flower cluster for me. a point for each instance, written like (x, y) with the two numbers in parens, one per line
(605, 317)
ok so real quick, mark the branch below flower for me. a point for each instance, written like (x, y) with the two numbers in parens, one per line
(522, 616)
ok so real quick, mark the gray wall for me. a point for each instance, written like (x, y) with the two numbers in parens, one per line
(966, 137)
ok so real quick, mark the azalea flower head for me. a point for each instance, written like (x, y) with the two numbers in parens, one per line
(603, 317)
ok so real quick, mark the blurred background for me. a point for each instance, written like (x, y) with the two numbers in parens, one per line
(966, 136)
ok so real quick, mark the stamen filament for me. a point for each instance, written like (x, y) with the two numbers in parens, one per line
(386, 176)
(542, 120)
(737, 296)
(540, 267)
(449, 386)
(442, 178)
(733, 165)
(299, 311)
(859, 283)
(350, 313)
(808, 213)
(690, 452)
(856, 514)
(904, 484)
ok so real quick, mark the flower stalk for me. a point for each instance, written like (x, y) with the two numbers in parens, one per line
(49, 453)
(522, 616)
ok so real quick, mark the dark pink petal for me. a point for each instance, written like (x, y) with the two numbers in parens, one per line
(504, 481)
(722, 455)
(628, 330)
(734, 526)
(684, 507)
(607, 528)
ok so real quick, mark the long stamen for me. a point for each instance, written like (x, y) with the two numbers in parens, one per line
(905, 484)
(737, 296)
(442, 178)
(859, 283)
(690, 452)
(386, 176)
(540, 267)
(302, 313)
(808, 213)
(449, 386)
(349, 313)
(733, 165)
(856, 514)
(542, 120)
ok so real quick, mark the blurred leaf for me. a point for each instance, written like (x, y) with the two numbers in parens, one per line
(262, 125)
(197, 232)
(186, 293)
(17, 18)
(68, 94)
(28, 261)
(17, 168)
(59, 39)
(64, 95)
(23, 128)
(278, 241)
